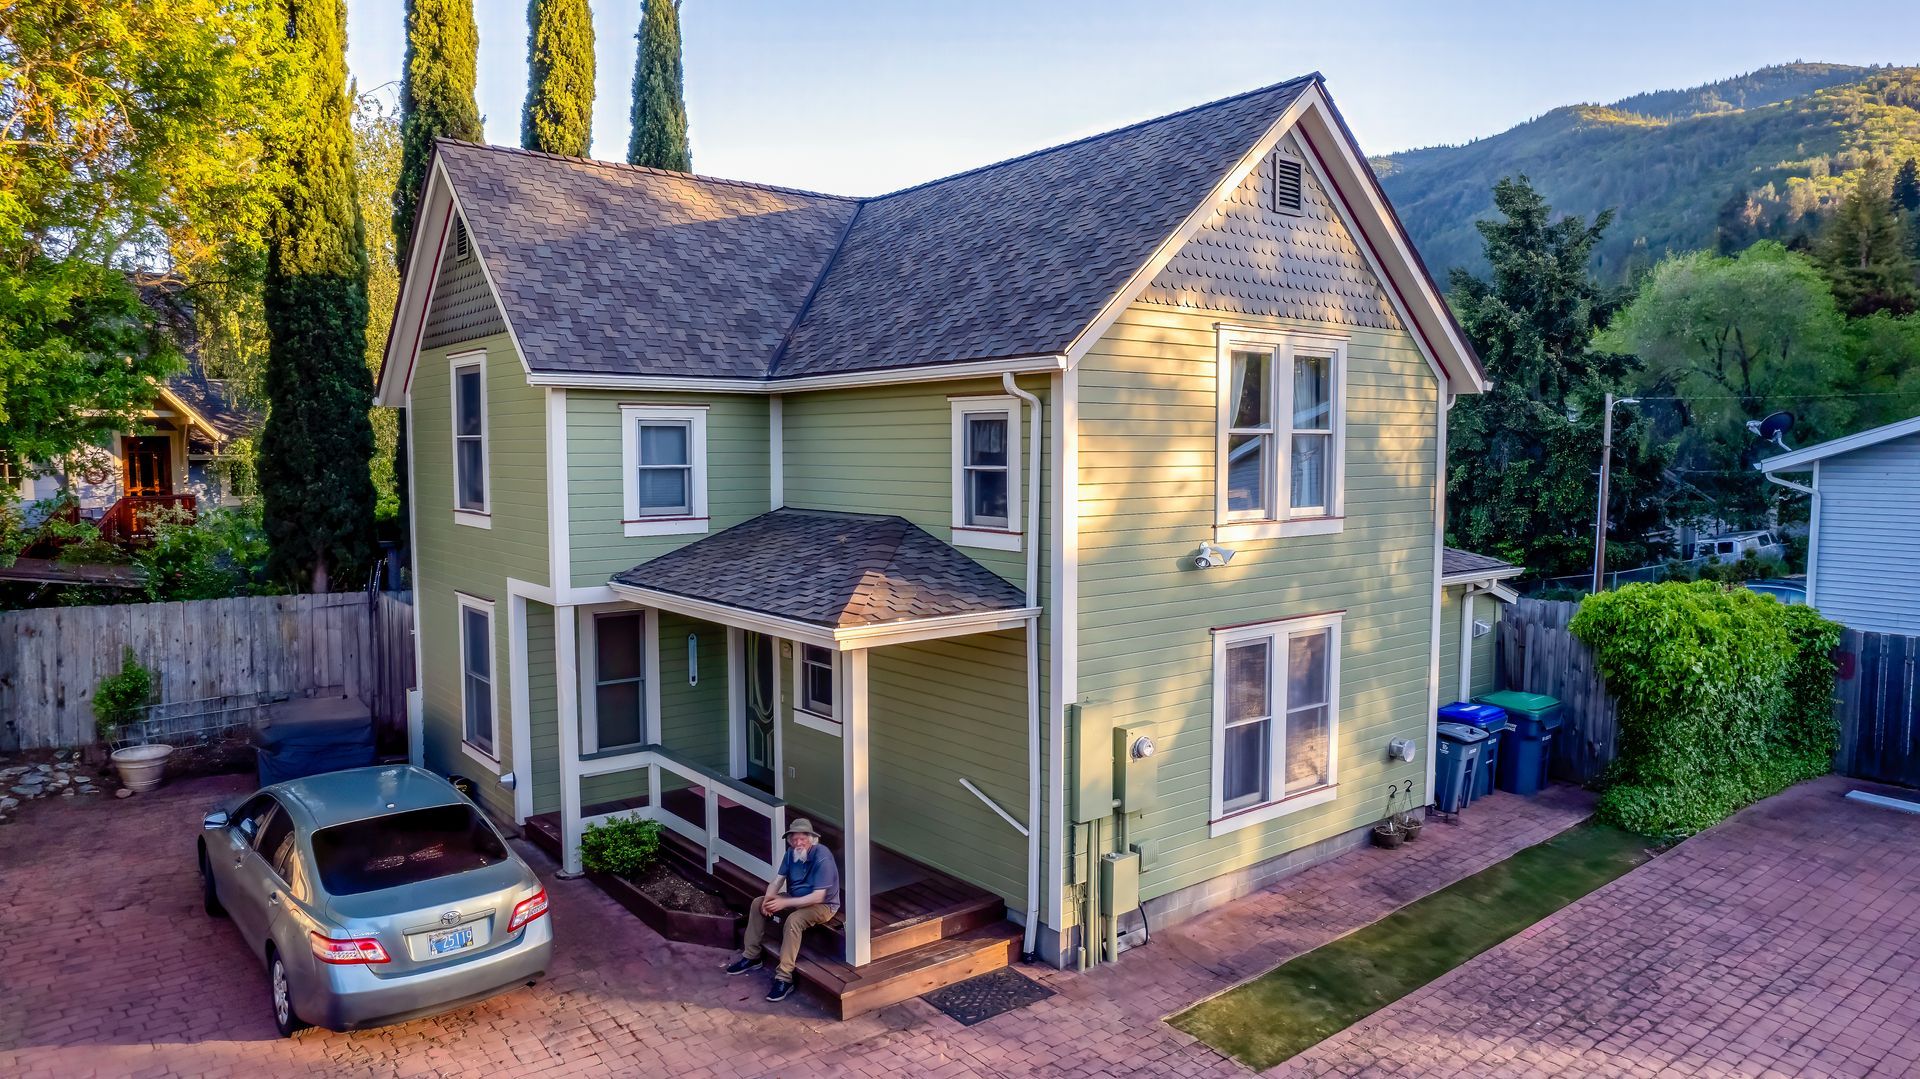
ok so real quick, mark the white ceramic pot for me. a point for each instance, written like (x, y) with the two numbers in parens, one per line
(141, 767)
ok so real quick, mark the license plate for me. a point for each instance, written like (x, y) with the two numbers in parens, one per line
(450, 940)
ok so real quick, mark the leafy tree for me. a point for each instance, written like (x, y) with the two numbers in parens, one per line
(130, 133)
(1726, 340)
(317, 441)
(559, 114)
(1906, 187)
(659, 99)
(376, 159)
(436, 98)
(1521, 456)
(1865, 249)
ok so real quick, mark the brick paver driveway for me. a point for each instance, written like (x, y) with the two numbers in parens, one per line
(108, 966)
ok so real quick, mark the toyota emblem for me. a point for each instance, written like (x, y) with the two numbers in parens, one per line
(451, 917)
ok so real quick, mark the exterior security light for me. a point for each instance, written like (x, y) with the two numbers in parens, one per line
(1211, 556)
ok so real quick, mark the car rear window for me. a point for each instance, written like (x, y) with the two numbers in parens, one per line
(404, 848)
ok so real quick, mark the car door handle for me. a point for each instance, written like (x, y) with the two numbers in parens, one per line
(238, 862)
(273, 899)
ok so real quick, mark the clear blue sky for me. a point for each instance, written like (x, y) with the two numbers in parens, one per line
(858, 96)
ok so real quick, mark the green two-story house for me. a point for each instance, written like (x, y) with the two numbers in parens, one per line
(1055, 529)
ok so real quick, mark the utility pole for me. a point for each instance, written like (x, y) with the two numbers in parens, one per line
(1600, 514)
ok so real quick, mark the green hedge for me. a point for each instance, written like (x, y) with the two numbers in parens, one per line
(1725, 697)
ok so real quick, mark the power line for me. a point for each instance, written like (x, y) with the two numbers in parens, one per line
(1789, 397)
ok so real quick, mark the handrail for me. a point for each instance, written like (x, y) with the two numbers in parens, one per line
(993, 805)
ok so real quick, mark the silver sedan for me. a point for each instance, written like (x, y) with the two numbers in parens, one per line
(373, 896)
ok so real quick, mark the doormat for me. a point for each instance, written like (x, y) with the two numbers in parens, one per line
(995, 993)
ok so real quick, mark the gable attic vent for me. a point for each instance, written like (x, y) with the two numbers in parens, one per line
(462, 246)
(1288, 181)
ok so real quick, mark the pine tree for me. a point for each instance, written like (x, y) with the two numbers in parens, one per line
(559, 114)
(1906, 187)
(436, 98)
(318, 441)
(659, 101)
(1865, 250)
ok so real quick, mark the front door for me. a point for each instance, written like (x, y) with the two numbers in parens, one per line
(757, 707)
(149, 465)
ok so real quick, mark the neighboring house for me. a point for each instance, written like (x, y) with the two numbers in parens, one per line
(1863, 542)
(734, 503)
(1471, 603)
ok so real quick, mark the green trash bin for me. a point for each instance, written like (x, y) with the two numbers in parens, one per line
(1522, 767)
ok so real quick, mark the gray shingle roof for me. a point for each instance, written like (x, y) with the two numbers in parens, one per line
(1455, 562)
(836, 570)
(214, 401)
(614, 269)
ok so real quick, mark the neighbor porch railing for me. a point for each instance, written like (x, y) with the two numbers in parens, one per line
(714, 788)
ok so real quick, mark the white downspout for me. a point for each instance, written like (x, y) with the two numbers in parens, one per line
(1033, 662)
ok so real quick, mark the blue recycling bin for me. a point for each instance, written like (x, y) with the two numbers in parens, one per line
(1535, 717)
(1489, 718)
(1456, 757)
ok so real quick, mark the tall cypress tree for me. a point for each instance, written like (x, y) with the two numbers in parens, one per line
(659, 99)
(318, 441)
(436, 97)
(559, 114)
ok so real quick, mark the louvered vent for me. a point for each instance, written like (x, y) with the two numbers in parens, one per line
(462, 246)
(1287, 182)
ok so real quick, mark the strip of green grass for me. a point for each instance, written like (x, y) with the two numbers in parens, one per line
(1313, 996)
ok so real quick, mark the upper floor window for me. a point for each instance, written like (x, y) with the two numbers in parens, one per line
(1275, 718)
(664, 454)
(986, 472)
(470, 439)
(1282, 434)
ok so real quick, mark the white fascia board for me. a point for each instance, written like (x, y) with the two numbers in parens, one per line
(928, 629)
(1805, 457)
(1482, 576)
(722, 614)
(944, 372)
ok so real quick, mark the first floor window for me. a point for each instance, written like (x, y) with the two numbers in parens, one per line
(469, 438)
(1275, 705)
(619, 682)
(476, 674)
(816, 680)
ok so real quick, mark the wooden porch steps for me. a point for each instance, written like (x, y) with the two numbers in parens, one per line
(925, 935)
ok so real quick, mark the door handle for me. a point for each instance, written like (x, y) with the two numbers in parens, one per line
(273, 899)
(238, 862)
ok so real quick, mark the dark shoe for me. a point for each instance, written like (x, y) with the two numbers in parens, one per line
(742, 965)
(780, 990)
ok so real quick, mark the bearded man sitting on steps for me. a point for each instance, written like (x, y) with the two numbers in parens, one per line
(811, 880)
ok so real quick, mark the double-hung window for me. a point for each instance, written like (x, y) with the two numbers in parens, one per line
(469, 372)
(986, 472)
(814, 696)
(1276, 718)
(664, 458)
(1282, 434)
(477, 699)
(615, 713)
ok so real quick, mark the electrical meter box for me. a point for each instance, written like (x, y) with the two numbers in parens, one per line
(1092, 763)
(1120, 882)
(1136, 769)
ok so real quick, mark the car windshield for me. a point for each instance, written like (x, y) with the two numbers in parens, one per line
(404, 848)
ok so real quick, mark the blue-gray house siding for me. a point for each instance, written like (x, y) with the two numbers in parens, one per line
(1865, 557)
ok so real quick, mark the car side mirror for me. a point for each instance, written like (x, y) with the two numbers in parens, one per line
(215, 820)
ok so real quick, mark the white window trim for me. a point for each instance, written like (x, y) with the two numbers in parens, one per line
(801, 714)
(1280, 520)
(482, 517)
(964, 534)
(694, 522)
(589, 663)
(487, 757)
(1220, 822)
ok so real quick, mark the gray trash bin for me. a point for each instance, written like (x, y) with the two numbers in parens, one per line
(1456, 758)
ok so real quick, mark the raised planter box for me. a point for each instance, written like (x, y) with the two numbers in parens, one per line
(711, 930)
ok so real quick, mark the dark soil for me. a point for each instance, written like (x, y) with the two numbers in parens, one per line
(675, 892)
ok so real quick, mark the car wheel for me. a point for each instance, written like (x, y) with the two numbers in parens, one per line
(209, 894)
(280, 996)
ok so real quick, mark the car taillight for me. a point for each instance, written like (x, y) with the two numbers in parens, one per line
(350, 950)
(527, 910)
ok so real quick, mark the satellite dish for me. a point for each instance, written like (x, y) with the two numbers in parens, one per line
(1773, 428)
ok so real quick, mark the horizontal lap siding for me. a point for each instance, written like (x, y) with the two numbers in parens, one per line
(693, 718)
(1148, 407)
(458, 558)
(1867, 572)
(737, 451)
(543, 722)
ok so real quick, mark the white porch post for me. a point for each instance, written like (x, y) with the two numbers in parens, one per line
(566, 678)
(857, 874)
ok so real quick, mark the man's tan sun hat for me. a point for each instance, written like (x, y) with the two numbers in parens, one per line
(802, 826)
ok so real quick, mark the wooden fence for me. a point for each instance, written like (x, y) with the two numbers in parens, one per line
(1534, 652)
(1878, 707)
(265, 647)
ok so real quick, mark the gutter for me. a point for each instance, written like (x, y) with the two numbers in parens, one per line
(1033, 662)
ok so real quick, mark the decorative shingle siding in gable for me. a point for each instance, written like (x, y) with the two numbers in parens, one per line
(463, 307)
(1250, 259)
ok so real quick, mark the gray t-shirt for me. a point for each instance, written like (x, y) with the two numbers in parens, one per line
(816, 871)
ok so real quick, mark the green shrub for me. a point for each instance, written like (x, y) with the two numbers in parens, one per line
(1724, 695)
(120, 697)
(625, 846)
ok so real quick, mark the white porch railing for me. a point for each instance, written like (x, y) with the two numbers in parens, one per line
(714, 787)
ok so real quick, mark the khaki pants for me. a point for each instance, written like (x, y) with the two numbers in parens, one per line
(794, 923)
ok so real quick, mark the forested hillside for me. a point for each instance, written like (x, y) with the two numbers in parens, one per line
(1763, 155)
